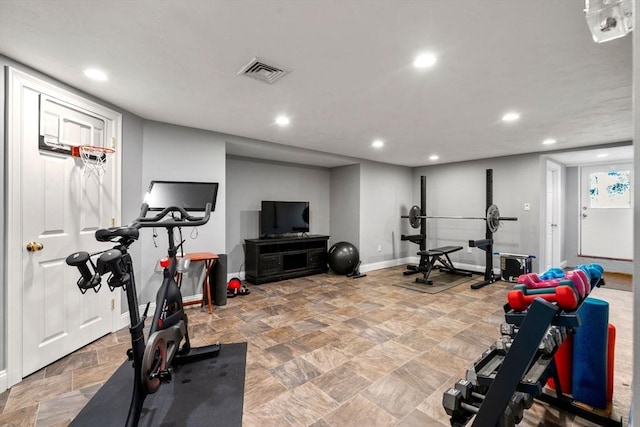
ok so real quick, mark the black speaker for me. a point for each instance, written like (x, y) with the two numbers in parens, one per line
(218, 280)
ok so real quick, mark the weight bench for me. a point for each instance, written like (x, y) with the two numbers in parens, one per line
(437, 258)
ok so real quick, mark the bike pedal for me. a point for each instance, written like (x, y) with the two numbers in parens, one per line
(130, 354)
(164, 376)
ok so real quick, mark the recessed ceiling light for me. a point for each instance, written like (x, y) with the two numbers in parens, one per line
(434, 157)
(95, 74)
(283, 120)
(601, 155)
(510, 117)
(549, 141)
(377, 144)
(425, 60)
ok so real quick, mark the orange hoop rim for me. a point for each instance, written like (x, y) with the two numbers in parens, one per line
(96, 149)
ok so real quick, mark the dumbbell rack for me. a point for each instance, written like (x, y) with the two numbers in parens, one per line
(524, 368)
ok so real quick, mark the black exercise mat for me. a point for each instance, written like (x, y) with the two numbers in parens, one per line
(207, 392)
(441, 282)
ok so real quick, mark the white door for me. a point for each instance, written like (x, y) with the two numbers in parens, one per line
(606, 214)
(60, 209)
(552, 217)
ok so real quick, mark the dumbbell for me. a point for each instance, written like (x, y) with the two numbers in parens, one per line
(579, 281)
(532, 281)
(547, 290)
(508, 329)
(552, 273)
(527, 400)
(557, 334)
(503, 344)
(517, 406)
(564, 296)
(455, 407)
(467, 389)
(547, 344)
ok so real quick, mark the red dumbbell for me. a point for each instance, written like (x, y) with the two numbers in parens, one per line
(565, 296)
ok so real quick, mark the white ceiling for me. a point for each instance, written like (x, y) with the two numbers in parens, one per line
(351, 79)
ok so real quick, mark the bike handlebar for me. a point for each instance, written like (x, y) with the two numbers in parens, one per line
(185, 220)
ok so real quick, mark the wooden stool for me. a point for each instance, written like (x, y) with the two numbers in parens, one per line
(209, 260)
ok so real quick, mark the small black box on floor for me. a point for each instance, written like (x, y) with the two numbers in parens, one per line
(513, 265)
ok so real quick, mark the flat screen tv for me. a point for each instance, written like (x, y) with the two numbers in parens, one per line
(282, 218)
(190, 196)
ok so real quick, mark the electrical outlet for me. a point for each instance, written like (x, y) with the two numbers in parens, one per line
(379, 248)
(527, 207)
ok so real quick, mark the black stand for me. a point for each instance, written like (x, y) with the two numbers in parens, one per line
(487, 243)
(526, 369)
(419, 239)
(355, 274)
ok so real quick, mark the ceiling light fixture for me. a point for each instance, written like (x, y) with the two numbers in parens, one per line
(549, 141)
(283, 120)
(434, 157)
(510, 117)
(601, 155)
(95, 74)
(377, 144)
(425, 60)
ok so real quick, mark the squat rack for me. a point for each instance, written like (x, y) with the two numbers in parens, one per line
(418, 218)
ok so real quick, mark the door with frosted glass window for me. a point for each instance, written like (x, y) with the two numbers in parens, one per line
(606, 214)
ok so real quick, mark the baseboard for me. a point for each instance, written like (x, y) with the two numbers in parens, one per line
(240, 276)
(381, 265)
(384, 264)
(4, 381)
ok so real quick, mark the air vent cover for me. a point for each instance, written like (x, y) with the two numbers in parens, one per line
(262, 70)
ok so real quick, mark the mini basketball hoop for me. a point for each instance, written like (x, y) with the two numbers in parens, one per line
(95, 159)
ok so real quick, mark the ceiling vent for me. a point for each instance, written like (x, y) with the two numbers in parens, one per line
(261, 70)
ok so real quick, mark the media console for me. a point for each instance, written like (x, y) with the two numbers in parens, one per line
(269, 260)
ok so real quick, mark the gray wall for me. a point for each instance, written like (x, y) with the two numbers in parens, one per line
(345, 204)
(458, 189)
(385, 193)
(176, 153)
(131, 179)
(250, 181)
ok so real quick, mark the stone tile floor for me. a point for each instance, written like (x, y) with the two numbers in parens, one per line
(325, 350)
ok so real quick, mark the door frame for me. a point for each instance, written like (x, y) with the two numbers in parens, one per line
(558, 196)
(556, 199)
(14, 273)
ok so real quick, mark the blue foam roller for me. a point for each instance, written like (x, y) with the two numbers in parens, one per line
(589, 382)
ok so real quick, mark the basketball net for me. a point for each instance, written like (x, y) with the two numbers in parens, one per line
(95, 159)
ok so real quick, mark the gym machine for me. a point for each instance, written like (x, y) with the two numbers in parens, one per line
(430, 259)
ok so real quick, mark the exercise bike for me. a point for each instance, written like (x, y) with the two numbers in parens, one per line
(153, 359)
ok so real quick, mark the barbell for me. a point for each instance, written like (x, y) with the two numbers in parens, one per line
(493, 217)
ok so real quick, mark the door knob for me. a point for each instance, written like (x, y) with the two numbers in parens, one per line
(34, 246)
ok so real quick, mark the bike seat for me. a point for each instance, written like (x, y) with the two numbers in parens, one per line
(108, 234)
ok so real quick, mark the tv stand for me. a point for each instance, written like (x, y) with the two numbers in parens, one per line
(269, 260)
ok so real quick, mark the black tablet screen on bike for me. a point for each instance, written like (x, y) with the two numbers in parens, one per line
(190, 196)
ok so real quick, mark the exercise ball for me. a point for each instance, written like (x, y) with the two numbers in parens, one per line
(343, 258)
